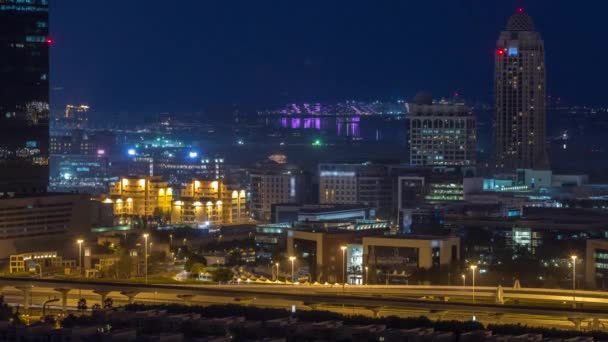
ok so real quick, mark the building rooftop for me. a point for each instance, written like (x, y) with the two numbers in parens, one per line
(520, 21)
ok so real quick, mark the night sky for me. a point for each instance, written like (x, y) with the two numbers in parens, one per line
(204, 55)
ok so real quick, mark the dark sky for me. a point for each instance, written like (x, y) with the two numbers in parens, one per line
(153, 56)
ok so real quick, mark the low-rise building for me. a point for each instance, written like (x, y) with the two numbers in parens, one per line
(32, 223)
(210, 203)
(357, 257)
(141, 196)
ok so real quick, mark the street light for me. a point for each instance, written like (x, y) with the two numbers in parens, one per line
(292, 259)
(146, 256)
(473, 268)
(170, 241)
(464, 280)
(277, 264)
(573, 257)
(79, 242)
(343, 248)
(366, 275)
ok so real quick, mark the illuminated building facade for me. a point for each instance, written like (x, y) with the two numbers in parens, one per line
(141, 196)
(38, 262)
(520, 96)
(210, 203)
(24, 96)
(442, 134)
(77, 115)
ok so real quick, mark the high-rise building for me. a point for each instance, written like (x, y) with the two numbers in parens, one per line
(441, 134)
(520, 96)
(24, 96)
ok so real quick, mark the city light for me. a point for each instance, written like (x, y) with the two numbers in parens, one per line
(193, 154)
(131, 152)
(317, 142)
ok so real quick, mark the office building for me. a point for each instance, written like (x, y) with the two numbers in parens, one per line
(24, 96)
(179, 168)
(357, 183)
(141, 196)
(205, 202)
(35, 222)
(388, 259)
(276, 184)
(596, 264)
(441, 134)
(520, 96)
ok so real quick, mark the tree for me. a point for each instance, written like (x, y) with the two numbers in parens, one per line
(197, 269)
(82, 304)
(222, 275)
(108, 303)
(5, 310)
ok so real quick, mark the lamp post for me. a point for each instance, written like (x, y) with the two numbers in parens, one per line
(366, 275)
(473, 268)
(292, 259)
(277, 264)
(40, 266)
(79, 242)
(464, 280)
(170, 241)
(146, 256)
(573, 257)
(343, 248)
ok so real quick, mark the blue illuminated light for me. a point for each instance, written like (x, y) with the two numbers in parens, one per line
(193, 154)
(512, 51)
(131, 152)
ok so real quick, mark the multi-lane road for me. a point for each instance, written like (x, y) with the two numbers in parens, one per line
(539, 307)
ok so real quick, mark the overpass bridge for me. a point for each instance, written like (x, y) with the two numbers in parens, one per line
(375, 300)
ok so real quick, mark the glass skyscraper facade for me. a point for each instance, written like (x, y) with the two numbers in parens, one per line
(24, 96)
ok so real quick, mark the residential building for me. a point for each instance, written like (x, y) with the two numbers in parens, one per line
(140, 196)
(210, 202)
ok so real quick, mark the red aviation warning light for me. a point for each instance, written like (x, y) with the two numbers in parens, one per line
(500, 52)
(49, 40)
(520, 10)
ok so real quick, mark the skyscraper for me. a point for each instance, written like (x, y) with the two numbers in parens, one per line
(520, 96)
(24, 96)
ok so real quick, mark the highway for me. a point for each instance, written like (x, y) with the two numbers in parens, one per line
(537, 307)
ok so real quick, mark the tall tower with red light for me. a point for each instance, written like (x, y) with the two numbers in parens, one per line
(519, 81)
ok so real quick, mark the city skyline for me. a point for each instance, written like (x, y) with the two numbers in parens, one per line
(360, 51)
